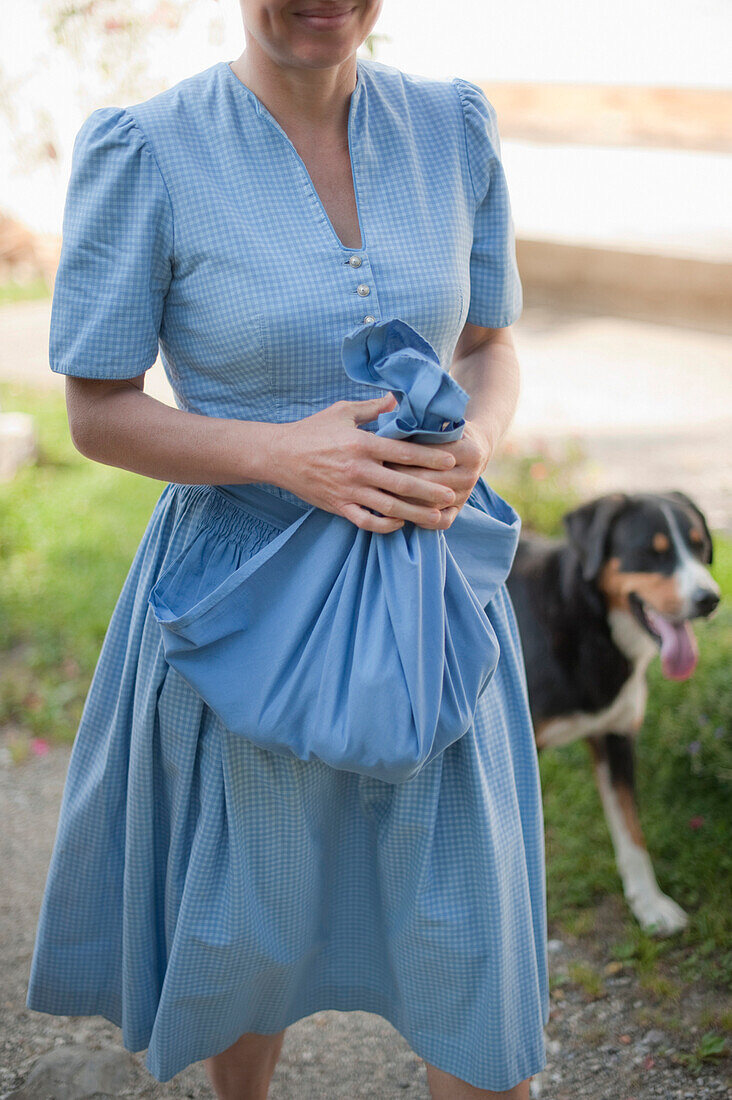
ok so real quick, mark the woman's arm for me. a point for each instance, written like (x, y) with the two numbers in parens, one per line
(332, 464)
(324, 458)
(485, 364)
(117, 423)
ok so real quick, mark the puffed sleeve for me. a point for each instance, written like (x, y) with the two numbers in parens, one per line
(496, 298)
(116, 253)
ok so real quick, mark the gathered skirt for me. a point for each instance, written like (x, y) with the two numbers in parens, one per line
(201, 887)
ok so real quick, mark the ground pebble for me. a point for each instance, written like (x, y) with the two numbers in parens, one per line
(73, 1072)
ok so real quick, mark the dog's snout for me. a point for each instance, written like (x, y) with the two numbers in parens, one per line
(704, 601)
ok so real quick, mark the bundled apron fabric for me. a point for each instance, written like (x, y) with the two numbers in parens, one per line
(202, 886)
(366, 650)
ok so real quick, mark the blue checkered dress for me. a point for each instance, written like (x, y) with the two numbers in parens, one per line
(200, 886)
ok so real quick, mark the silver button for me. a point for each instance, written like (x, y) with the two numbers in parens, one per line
(368, 319)
(363, 290)
(355, 261)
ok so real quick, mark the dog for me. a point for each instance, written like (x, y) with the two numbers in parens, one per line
(593, 610)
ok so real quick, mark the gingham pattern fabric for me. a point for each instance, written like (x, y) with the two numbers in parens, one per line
(201, 887)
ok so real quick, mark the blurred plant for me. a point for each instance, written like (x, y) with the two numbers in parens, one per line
(116, 41)
(119, 38)
(539, 479)
(370, 43)
(711, 1048)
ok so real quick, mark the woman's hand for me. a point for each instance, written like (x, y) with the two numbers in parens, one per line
(330, 462)
(473, 452)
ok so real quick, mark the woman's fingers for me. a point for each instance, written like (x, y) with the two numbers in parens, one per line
(368, 521)
(402, 484)
(396, 507)
(362, 517)
(361, 412)
(330, 463)
(434, 456)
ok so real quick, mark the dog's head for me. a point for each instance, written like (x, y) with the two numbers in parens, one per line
(647, 554)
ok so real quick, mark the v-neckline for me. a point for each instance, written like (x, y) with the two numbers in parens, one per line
(262, 110)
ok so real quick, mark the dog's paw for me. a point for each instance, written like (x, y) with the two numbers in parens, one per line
(659, 915)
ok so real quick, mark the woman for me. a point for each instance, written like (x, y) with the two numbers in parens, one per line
(204, 893)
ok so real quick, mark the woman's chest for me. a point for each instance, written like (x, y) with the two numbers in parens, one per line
(332, 178)
(268, 280)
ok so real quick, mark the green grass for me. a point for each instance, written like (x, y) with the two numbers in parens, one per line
(69, 529)
(12, 292)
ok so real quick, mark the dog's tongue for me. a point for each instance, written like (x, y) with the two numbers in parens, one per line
(679, 651)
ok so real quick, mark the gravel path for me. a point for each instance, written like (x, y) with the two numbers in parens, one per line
(599, 1049)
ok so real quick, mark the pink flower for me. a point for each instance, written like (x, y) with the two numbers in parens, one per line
(696, 822)
(39, 746)
(538, 471)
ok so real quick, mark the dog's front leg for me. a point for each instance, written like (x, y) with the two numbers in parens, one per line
(612, 759)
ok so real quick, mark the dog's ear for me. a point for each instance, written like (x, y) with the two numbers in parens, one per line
(682, 498)
(587, 529)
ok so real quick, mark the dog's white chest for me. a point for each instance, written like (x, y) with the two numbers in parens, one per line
(625, 713)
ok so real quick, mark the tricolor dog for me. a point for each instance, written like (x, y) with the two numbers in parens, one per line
(593, 612)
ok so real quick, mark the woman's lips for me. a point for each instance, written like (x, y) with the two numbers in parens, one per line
(324, 22)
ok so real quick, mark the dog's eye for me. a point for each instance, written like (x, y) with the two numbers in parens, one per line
(698, 550)
(660, 542)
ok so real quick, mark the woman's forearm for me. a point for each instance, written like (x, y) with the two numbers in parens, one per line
(120, 425)
(491, 375)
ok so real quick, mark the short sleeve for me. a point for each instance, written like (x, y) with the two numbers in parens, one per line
(496, 298)
(116, 253)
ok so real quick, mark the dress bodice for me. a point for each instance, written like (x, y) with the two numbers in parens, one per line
(221, 254)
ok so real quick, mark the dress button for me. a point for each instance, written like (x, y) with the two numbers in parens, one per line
(363, 290)
(368, 319)
(355, 261)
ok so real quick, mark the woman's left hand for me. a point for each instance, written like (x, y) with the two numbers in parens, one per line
(473, 452)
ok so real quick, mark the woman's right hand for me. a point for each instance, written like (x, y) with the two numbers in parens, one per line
(330, 462)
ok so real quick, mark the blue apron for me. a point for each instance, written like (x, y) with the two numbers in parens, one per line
(365, 650)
